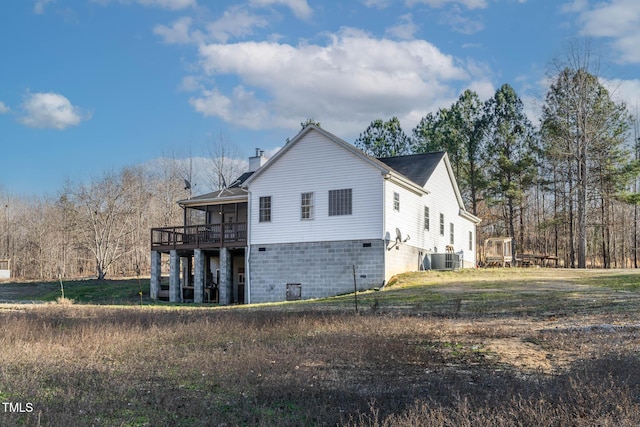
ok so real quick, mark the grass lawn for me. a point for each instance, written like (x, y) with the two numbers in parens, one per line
(89, 291)
(476, 347)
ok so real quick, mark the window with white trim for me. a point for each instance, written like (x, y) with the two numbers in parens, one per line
(306, 206)
(470, 240)
(265, 209)
(340, 202)
(442, 224)
(426, 218)
(396, 202)
(451, 233)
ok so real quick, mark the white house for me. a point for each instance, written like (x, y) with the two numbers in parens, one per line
(299, 224)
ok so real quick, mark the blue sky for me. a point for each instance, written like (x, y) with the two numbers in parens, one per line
(89, 86)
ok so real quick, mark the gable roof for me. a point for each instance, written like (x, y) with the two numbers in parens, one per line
(417, 167)
(385, 169)
(420, 167)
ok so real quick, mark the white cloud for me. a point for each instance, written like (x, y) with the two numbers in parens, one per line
(346, 83)
(190, 84)
(177, 33)
(618, 20)
(460, 23)
(469, 4)
(38, 7)
(235, 22)
(627, 91)
(379, 4)
(405, 29)
(3, 108)
(51, 110)
(300, 8)
(164, 4)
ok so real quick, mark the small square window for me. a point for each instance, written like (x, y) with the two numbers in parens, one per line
(294, 291)
(340, 202)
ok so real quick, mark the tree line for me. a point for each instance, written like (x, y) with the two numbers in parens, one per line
(567, 188)
(101, 227)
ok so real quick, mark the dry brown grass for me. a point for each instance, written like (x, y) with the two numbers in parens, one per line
(300, 365)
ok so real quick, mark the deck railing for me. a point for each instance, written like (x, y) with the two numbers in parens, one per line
(199, 236)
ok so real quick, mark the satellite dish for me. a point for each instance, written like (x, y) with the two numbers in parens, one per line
(398, 235)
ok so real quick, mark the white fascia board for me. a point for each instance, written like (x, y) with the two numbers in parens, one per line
(213, 201)
(405, 183)
(467, 215)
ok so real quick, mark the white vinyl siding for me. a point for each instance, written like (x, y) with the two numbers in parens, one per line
(414, 219)
(316, 164)
(442, 199)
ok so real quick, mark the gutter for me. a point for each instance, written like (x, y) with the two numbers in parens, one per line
(405, 183)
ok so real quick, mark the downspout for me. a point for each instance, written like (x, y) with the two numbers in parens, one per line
(384, 224)
(247, 251)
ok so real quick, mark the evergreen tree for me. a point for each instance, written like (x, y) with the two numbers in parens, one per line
(509, 155)
(384, 139)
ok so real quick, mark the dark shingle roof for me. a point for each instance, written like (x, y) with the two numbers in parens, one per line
(227, 192)
(417, 167)
(233, 190)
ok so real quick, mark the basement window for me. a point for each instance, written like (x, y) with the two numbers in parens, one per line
(294, 291)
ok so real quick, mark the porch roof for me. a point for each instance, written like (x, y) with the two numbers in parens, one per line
(224, 196)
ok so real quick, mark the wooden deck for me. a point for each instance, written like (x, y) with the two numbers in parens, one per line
(204, 236)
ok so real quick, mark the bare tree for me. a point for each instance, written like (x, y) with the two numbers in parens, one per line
(104, 209)
(226, 163)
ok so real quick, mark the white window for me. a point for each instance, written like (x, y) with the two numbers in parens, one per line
(470, 240)
(442, 224)
(340, 202)
(265, 209)
(306, 206)
(426, 218)
(396, 202)
(451, 233)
